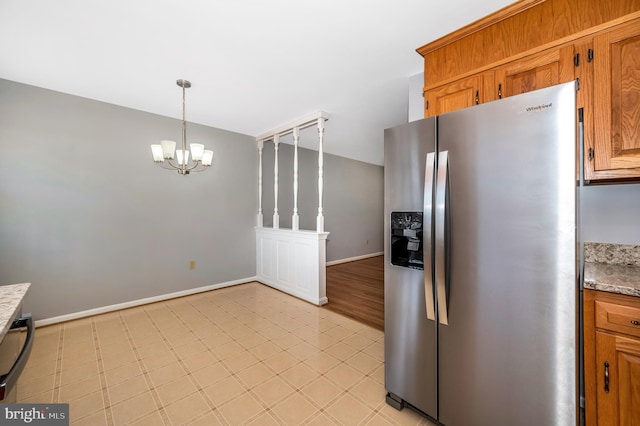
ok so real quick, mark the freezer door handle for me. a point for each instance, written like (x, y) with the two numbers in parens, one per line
(441, 223)
(426, 235)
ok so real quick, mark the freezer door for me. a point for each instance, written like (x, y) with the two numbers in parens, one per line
(410, 337)
(508, 350)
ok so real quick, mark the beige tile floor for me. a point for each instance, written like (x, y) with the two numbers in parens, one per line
(246, 354)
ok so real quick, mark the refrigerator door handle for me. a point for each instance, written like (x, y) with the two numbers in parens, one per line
(442, 192)
(426, 235)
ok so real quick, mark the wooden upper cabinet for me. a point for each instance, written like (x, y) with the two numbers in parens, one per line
(538, 71)
(532, 44)
(547, 68)
(524, 26)
(460, 94)
(616, 104)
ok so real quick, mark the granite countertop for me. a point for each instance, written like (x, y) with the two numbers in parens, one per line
(614, 268)
(11, 297)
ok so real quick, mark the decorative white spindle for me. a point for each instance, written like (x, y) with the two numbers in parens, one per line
(293, 260)
(320, 220)
(276, 217)
(260, 220)
(295, 219)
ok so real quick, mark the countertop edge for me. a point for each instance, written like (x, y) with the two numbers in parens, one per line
(11, 297)
(620, 279)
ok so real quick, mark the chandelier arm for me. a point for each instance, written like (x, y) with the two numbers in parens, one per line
(171, 165)
(195, 164)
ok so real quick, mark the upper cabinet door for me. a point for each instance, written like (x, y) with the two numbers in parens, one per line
(547, 68)
(459, 94)
(616, 101)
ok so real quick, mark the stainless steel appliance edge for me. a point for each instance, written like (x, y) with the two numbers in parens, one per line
(500, 249)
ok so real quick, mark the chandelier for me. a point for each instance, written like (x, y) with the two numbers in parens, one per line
(200, 158)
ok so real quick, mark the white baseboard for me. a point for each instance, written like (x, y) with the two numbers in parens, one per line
(162, 297)
(131, 304)
(351, 259)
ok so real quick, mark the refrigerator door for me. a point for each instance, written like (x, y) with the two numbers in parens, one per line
(508, 350)
(410, 338)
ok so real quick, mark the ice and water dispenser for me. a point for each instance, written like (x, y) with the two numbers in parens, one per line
(406, 239)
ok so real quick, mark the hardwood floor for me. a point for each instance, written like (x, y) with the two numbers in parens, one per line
(356, 289)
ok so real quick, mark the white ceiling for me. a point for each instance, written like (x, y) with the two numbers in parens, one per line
(253, 64)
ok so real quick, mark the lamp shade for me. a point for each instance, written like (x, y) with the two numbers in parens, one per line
(183, 156)
(196, 151)
(156, 151)
(207, 157)
(168, 148)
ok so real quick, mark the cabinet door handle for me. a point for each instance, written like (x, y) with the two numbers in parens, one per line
(606, 377)
(635, 322)
(499, 90)
(477, 97)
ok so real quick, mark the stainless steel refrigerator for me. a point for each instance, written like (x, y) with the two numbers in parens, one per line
(481, 268)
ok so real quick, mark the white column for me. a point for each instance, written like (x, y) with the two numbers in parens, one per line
(320, 219)
(295, 219)
(276, 217)
(260, 219)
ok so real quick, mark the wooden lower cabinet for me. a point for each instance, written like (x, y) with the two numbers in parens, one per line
(617, 379)
(612, 359)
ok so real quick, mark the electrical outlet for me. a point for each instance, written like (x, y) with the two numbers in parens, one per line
(192, 264)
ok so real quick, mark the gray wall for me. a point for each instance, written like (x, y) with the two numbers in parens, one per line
(353, 198)
(90, 220)
(416, 85)
(609, 213)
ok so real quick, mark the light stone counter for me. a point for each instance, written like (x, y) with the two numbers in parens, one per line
(614, 268)
(11, 297)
